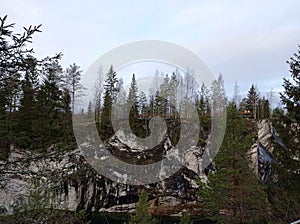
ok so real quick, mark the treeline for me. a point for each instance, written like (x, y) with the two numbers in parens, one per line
(36, 95)
(176, 97)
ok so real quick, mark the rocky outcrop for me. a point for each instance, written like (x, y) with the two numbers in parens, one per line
(261, 151)
(75, 185)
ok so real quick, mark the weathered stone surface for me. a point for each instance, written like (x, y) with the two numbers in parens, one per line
(264, 136)
(75, 185)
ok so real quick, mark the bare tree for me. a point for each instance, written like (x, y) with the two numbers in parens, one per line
(236, 98)
(98, 94)
(72, 79)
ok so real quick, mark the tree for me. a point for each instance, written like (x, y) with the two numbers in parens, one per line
(71, 80)
(290, 98)
(203, 109)
(90, 110)
(13, 62)
(105, 129)
(50, 107)
(236, 94)
(252, 101)
(218, 100)
(144, 113)
(263, 108)
(185, 219)
(98, 95)
(141, 215)
(233, 193)
(173, 84)
(27, 113)
(284, 194)
(19, 75)
(111, 84)
(143, 103)
(133, 105)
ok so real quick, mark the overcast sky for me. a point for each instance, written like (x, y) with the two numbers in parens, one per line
(247, 41)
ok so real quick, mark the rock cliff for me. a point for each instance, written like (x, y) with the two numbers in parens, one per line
(75, 185)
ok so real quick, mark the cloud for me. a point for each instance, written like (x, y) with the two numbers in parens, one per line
(247, 41)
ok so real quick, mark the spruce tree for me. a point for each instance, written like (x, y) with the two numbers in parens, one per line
(13, 55)
(50, 107)
(105, 128)
(252, 101)
(27, 113)
(284, 194)
(233, 193)
(203, 109)
(90, 110)
(133, 106)
(143, 107)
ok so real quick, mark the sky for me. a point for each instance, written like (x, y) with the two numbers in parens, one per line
(247, 41)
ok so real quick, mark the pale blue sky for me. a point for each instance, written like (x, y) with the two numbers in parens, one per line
(248, 41)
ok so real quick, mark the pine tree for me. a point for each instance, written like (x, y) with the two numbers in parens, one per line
(233, 193)
(71, 81)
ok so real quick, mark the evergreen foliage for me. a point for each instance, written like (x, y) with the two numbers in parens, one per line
(141, 215)
(185, 219)
(233, 193)
(284, 195)
(105, 129)
(35, 104)
(133, 107)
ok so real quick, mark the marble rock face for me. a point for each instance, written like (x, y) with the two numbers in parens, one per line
(75, 185)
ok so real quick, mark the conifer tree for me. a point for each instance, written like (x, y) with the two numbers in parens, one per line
(252, 101)
(27, 113)
(133, 105)
(141, 215)
(233, 193)
(71, 81)
(105, 127)
(185, 219)
(50, 106)
(13, 62)
(284, 194)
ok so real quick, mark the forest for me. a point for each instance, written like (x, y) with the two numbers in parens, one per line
(38, 98)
